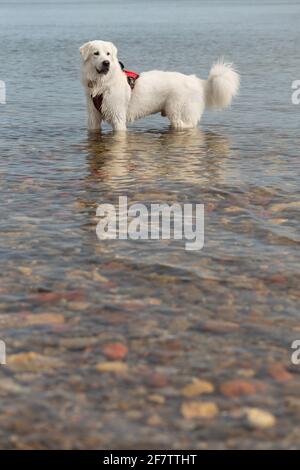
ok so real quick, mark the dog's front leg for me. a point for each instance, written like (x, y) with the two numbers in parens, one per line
(94, 117)
(119, 105)
(118, 122)
(119, 126)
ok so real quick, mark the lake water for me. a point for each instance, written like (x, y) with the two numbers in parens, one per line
(226, 314)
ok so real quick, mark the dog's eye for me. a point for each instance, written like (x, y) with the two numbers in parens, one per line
(108, 53)
(96, 53)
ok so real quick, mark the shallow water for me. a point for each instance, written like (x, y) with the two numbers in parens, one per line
(227, 312)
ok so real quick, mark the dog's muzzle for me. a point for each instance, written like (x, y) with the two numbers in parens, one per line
(104, 67)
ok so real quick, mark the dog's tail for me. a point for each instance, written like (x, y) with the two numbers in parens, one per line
(221, 86)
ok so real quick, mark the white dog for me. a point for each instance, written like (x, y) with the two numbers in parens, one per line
(181, 98)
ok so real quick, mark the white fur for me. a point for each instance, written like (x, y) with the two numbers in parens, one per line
(181, 98)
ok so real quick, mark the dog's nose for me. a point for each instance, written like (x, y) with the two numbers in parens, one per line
(106, 63)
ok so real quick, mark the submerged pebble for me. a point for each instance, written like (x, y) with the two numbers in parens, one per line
(261, 419)
(115, 366)
(33, 362)
(237, 388)
(198, 409)
(197, 387)
(115, 351)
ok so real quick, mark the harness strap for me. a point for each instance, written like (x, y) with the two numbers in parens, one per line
(131, 79)
(98, 100)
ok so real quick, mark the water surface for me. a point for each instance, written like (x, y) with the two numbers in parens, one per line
(228, 312)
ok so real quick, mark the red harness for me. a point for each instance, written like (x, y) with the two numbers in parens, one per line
(131, 78)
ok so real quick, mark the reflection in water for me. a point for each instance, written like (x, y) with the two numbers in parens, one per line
(189, 156)
(195, 166)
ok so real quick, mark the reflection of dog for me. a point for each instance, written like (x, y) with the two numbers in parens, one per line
(181, 98)
(139, 158)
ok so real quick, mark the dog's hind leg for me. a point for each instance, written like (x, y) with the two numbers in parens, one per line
(184, 114)
(179, 124)
(186, 120)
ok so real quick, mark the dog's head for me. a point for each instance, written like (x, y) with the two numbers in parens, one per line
(99, 58)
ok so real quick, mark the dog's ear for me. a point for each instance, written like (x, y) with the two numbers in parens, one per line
(85, 50)
(114, 50)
